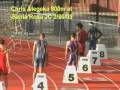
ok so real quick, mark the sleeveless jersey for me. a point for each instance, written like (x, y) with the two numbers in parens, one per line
(3, 67)
(82, 36)
(73, 50)
(40, 49)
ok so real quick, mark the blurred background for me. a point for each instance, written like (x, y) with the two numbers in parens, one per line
(104, 13)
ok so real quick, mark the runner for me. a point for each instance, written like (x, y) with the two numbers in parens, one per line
(40, 58)
(71, 51)
(93, 35)
(81, 37)
(4, 63)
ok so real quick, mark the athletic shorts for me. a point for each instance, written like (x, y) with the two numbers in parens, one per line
(39, 63)
(72, 60)
(92, 45)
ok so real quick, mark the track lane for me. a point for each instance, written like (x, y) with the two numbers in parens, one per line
(59, 67)
(63, 55)
(104, 76)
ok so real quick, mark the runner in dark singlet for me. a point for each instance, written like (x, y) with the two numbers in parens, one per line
(39, 55)
(93, 35)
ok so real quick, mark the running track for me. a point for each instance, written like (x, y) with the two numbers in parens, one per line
(105, 77)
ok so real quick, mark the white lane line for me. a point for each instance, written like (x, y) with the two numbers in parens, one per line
(113, 67)
(57, 57)
(115, 84)
(20, 54)
(87, 88)
(20, 78)
(115, 60)
(56, 66)
(56, 88)
(27, 55)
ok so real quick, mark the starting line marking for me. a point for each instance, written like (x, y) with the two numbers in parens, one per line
(107, 71)
(94, 79)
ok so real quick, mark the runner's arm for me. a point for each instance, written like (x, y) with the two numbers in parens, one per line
(77, 35)
(88, 35)
(46, 55)
(34, 46)
(99, 34)
(66, 51)
(7, 62)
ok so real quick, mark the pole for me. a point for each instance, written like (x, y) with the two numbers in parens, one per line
(60, 33)
(97, 10)
(119, 12)
(70, 4)
(108, 4)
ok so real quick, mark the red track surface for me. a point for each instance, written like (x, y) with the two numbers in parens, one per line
(21, 76)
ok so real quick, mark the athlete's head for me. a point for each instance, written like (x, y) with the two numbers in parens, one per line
(2, 42)
(42, 36)
(73, 36)
(79, 26)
